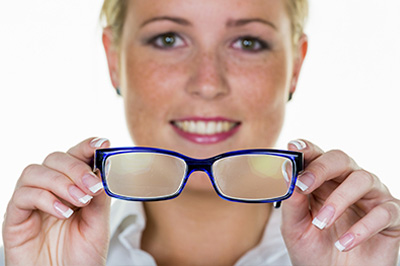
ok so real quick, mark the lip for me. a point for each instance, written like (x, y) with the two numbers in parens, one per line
(206, 139)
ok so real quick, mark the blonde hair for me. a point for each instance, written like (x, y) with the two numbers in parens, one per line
(113, 14)
(298, 14)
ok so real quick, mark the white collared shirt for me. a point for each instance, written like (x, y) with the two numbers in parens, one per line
(128, 221)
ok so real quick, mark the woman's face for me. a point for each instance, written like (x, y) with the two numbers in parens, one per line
(205, 77)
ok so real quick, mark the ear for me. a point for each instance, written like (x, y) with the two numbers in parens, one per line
(300, 55)
(112, 57)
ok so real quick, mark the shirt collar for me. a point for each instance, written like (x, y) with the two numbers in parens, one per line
(128, 221)
(126, 213)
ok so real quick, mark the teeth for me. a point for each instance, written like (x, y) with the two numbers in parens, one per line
(205, 128)
(201, 127)
(225, 126)
(192, 126)
(219, 127)
(185, 125)
(210, 128)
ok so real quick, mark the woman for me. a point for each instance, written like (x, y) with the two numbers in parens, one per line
(199, 62)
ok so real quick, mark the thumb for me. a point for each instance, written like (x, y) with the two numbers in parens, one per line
(296, 215)
(94, 216)
(99, 208)
(84, 150)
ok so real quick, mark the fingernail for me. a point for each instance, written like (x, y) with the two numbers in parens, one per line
(305, 181)
(97, 142)
(64, 210)
(344, 242)
(79, 195)
(92, 182)
(284, 172)
(300, 145)
(324, 216)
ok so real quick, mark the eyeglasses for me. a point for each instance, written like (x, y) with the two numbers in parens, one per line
(149, 174)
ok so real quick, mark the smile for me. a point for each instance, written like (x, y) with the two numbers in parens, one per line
(205, 130)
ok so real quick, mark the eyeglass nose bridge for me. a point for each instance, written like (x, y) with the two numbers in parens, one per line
(199, 165)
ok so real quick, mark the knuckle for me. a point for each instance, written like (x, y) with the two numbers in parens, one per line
(338, 153)
(77, 167)
(30, 170)
(366, 177)
(320, 169)
(391, 211)
(42, 194)
(18, 195)
(53, 156)
(363, 228)
(341, 156)
(340, 198)
(27, 173)
(384, 215)
(56, 177)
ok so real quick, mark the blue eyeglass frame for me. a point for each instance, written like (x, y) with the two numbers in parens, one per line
(204, 165)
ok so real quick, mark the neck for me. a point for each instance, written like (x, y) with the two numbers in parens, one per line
(201, 228)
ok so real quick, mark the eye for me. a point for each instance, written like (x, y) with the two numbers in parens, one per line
(167, 40)
(250, 44)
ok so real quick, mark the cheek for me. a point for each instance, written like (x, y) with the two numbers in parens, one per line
(261, 86)
(261, 89)
(146, 82)
(149, 92)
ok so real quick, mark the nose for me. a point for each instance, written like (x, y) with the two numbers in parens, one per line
(208, 80)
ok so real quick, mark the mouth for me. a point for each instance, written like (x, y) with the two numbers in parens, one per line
(205, 130)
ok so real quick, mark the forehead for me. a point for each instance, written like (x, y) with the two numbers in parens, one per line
(209, 11)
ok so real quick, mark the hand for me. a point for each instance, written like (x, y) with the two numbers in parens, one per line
(52, 218)
(344, 207)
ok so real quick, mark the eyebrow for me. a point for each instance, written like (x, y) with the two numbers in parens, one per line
(229, 24)
(242, 22)
(180, 21)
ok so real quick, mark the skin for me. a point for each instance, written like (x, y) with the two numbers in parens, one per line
(207, 76)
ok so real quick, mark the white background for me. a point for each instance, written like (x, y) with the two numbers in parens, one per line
(55, 90)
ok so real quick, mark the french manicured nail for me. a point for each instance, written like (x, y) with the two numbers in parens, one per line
(305, 181)
(300, 145)
(323, 217)
(97, 142)
(92, 182)
(79, 195)
(64, 210)
(344, 242)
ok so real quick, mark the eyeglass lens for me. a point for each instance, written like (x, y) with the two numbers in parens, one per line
(151, 175)
(144, 175)
(253, 177)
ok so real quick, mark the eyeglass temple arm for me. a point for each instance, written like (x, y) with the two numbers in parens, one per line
(299, 163)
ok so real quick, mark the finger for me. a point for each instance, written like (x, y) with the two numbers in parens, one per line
(78, 171)
(41, 177)
(26, 200)
(84, 151)
(295, 210)
(368, 187)
(334, 164)
(384, 216)
(97, 213)
(296, 216)
(310, 153)
(310, 150)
